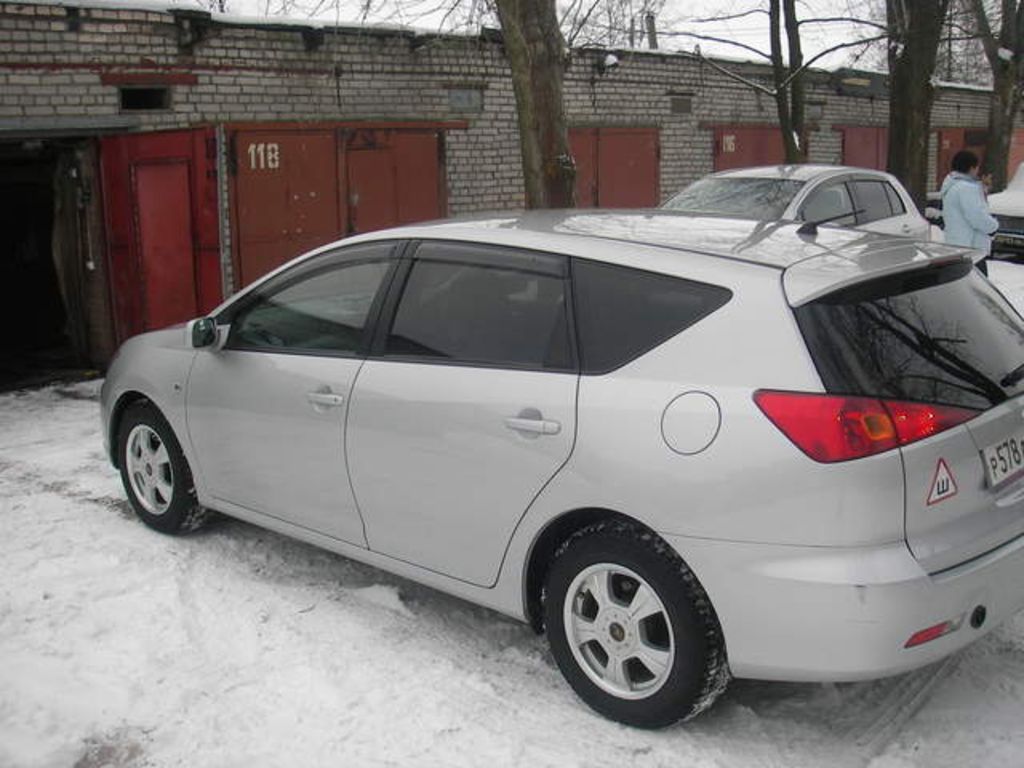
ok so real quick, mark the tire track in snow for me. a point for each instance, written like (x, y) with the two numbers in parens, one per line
(480, 689)
(903, 702)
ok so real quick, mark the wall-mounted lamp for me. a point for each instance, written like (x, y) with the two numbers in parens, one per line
(606, 64)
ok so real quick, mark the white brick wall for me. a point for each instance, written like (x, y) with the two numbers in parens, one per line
(265, 74)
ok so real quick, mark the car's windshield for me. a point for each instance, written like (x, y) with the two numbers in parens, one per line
(746, 197)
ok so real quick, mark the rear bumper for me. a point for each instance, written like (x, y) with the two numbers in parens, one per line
(839, 614)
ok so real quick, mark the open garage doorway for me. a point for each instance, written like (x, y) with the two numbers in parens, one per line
(43, 259)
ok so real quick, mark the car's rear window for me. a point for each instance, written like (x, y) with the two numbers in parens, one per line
(939, 335)
(749, 198)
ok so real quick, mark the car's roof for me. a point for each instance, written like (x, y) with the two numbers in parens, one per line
(833, 256)
(805, 172)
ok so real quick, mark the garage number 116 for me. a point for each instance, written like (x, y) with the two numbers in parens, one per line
(264, 156)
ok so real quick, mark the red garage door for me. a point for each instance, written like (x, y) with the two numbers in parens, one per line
(298, 188)
(1016, 153)
(160, 202)
(951, 141)
(286, 197)
(743, 146)
(865, 146)
(616, 167)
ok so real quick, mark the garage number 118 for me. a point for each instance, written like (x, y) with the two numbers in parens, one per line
(264, 156)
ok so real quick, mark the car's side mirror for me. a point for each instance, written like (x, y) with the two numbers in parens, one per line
(202, 332)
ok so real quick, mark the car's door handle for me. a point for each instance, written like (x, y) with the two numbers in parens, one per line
(325, 399)
(534, 426)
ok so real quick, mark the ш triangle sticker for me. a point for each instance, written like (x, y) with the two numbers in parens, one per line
(943, 484)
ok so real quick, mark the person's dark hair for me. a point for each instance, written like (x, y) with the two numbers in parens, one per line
(964, 160)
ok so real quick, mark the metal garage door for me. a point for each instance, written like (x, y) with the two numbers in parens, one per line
(616, 167)
(951, 141)
(865, 146)
(298, 188)
(743, 146)
(160, 203)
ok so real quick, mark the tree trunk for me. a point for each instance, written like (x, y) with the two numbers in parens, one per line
(536, 55)
(796, 85)
(789, 96)
(915, 28)
(1006, 75)
(1002, 109)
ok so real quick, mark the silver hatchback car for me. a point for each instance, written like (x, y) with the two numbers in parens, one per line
(685, 448)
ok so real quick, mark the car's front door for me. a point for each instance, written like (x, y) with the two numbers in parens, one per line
(467, 408)
(880, 208)
(266, 412)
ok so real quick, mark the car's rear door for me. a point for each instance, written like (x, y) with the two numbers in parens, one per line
(881, 208)
(467, 406)
(266, 412)
(944, 339)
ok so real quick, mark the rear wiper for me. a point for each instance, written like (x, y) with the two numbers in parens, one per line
(811, 227)
(1012, 377)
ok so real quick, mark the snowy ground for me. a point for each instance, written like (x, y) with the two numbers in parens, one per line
(239, 647)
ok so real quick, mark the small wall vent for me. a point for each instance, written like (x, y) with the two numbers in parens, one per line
(145, 99)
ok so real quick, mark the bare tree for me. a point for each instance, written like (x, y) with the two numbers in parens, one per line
(915, 29)
(537, 55)
(608, 23)
(961, 57)
(789, 90)
(1004, 50)
(786, 58)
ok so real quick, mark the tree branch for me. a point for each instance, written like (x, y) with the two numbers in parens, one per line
(578, 27)
(713, 39)
(727, 17)
(733, 75)
(988, 41)
(827, 51)
(842, 19)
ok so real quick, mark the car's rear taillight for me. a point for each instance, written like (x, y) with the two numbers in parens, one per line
(831, 428)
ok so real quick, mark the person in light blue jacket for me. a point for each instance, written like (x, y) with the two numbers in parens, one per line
(965, 209)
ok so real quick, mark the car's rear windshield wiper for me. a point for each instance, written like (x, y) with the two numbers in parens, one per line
(1012, 377)
(811, 227)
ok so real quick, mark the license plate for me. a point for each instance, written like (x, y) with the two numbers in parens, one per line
(1004, 459)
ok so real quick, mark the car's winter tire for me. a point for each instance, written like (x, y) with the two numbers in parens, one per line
(155, 473)
(631, 628)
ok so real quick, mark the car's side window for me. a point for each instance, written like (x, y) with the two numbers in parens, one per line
(830, 203)
(872, 200)
(621, 312)
(504, 311)
(895, 201)
(322, 311)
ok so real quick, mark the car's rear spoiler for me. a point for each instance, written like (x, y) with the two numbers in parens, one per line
(818, 276)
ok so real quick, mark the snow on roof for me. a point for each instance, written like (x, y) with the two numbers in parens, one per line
(157, 6)
(169, 6)
(320, 23)
(962, 86)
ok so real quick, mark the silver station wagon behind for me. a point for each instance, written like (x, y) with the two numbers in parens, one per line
(685, 448)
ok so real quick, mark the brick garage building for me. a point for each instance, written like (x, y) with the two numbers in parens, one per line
(153, 161)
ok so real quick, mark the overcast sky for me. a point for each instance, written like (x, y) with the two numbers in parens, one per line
(752, 30)
(677, 17)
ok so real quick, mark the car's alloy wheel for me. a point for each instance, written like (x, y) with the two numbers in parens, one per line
(149, 469)
(618, 631)
(631, 628)
(155, 473)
